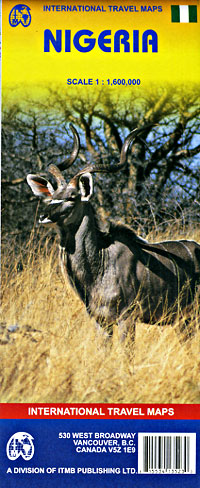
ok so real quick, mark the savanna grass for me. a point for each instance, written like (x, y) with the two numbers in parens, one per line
(50, 351)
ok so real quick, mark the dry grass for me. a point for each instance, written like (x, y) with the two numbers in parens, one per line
(54, 354)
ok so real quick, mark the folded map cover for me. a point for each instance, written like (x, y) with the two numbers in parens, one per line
(100, 244)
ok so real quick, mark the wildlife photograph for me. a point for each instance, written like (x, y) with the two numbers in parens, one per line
(101, 245)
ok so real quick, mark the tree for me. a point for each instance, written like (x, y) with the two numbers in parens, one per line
(161, 180)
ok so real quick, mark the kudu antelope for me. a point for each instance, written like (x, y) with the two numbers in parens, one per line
(113, 272)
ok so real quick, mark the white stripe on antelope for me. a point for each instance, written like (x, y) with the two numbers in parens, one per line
(112, 272)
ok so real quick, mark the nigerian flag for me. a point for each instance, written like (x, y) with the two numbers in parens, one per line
(184, 13)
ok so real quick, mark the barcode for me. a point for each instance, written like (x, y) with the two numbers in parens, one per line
(167, 453)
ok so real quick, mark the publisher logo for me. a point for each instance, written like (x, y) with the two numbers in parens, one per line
(20, 14)
(20, 444)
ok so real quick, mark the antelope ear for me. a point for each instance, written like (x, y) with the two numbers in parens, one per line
(86, 186)
(40, 187)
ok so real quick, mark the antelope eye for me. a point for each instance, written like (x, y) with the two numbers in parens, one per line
(71, 198)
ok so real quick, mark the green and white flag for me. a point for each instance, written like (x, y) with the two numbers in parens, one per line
(184, 13)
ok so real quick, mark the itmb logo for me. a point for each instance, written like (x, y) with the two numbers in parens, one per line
(20, 444)
(20, 14)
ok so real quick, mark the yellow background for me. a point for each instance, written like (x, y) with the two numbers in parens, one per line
(24, 60)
